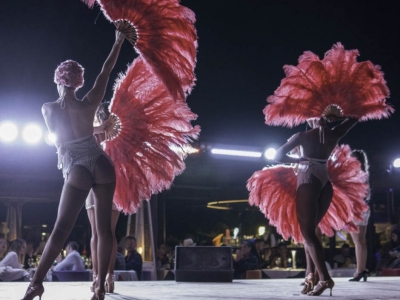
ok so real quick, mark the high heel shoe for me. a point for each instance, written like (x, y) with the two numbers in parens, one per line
(308, 283)
(321, 287)
(34, 291)
(110, 284)
(363, 274)
(94, 283)
(98, 295)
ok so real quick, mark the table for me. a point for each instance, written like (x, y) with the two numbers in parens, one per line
(342, 272)
(278, 273)
(120, 275)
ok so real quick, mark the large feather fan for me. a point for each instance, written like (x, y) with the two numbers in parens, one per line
(358, 88)
(166, 38)
(155, 132)
(273, 190)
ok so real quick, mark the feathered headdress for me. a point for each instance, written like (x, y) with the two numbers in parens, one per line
(163, 34)
(314, 87)
(151, 138)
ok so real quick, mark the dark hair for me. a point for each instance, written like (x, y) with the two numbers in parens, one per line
(103, 112)
(73, 245)
(345, 246)
(251, 245)
(130, 237)
(16, 245)
(362, 158)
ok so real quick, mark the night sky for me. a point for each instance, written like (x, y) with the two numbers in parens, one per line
(243, 45)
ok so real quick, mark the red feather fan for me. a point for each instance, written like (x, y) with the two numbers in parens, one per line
(273, 190)
(358, 88)
(166, 38)
(155, 132)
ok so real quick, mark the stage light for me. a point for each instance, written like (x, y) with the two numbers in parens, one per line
(50, 138)
(32, 133)
(270, 153)
(261, 230)
(8, 131)
(396, 163)
(235, 232)
(186, 149)
(236, 152)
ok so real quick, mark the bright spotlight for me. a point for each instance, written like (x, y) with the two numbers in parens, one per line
(270, 153)
(50, 138)
(236, 152)
(32, 133)
(396, 163)
(8, 131)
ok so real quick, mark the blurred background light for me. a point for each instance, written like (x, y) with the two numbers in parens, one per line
(8, 131)
(270, 153)
(32, 133)
(50, 138)
(396, 163)
(236, 152)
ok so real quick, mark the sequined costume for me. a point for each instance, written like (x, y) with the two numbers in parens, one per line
(83, 152)
(312, 166)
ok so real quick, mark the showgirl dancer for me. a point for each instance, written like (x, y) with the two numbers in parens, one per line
(150, 128)
(323, 90)
(359, 237)
(84, 164)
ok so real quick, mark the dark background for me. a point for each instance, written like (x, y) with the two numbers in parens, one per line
(243, 45)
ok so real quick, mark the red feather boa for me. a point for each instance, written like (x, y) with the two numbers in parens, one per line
(152, 124)
(273, 190)
(358, 88)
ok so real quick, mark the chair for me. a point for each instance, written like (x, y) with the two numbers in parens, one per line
(253, 274)
(70, 276)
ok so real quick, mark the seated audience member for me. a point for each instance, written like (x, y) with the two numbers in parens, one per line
(389, 252)
(344, 259)
(3, 248)
(188, 243)
(246, 259)
(263, 253)
(11, 265)
(29, 256)
(162, 259)
(73, 261)
(133, 261)
(280, 259)
(119, 260)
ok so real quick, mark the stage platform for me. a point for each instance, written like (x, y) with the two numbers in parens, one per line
(376, 288)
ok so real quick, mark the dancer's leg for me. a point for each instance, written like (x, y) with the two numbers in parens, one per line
(103, 190)
(311, 203)
(110, 275)
(361, 248)
(74, 193)
(93, 239)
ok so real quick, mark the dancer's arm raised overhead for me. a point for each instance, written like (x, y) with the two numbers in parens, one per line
(96, 94)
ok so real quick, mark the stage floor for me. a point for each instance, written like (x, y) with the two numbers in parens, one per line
(375, 288)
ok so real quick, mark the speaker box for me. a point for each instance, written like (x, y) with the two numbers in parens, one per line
(203, 264)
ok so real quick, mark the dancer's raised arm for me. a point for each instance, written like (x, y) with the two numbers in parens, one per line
(96, 94)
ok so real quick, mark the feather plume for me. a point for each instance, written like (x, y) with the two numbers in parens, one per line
(152, 127)
(358, 88)
(273, 190)
(166, 38)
